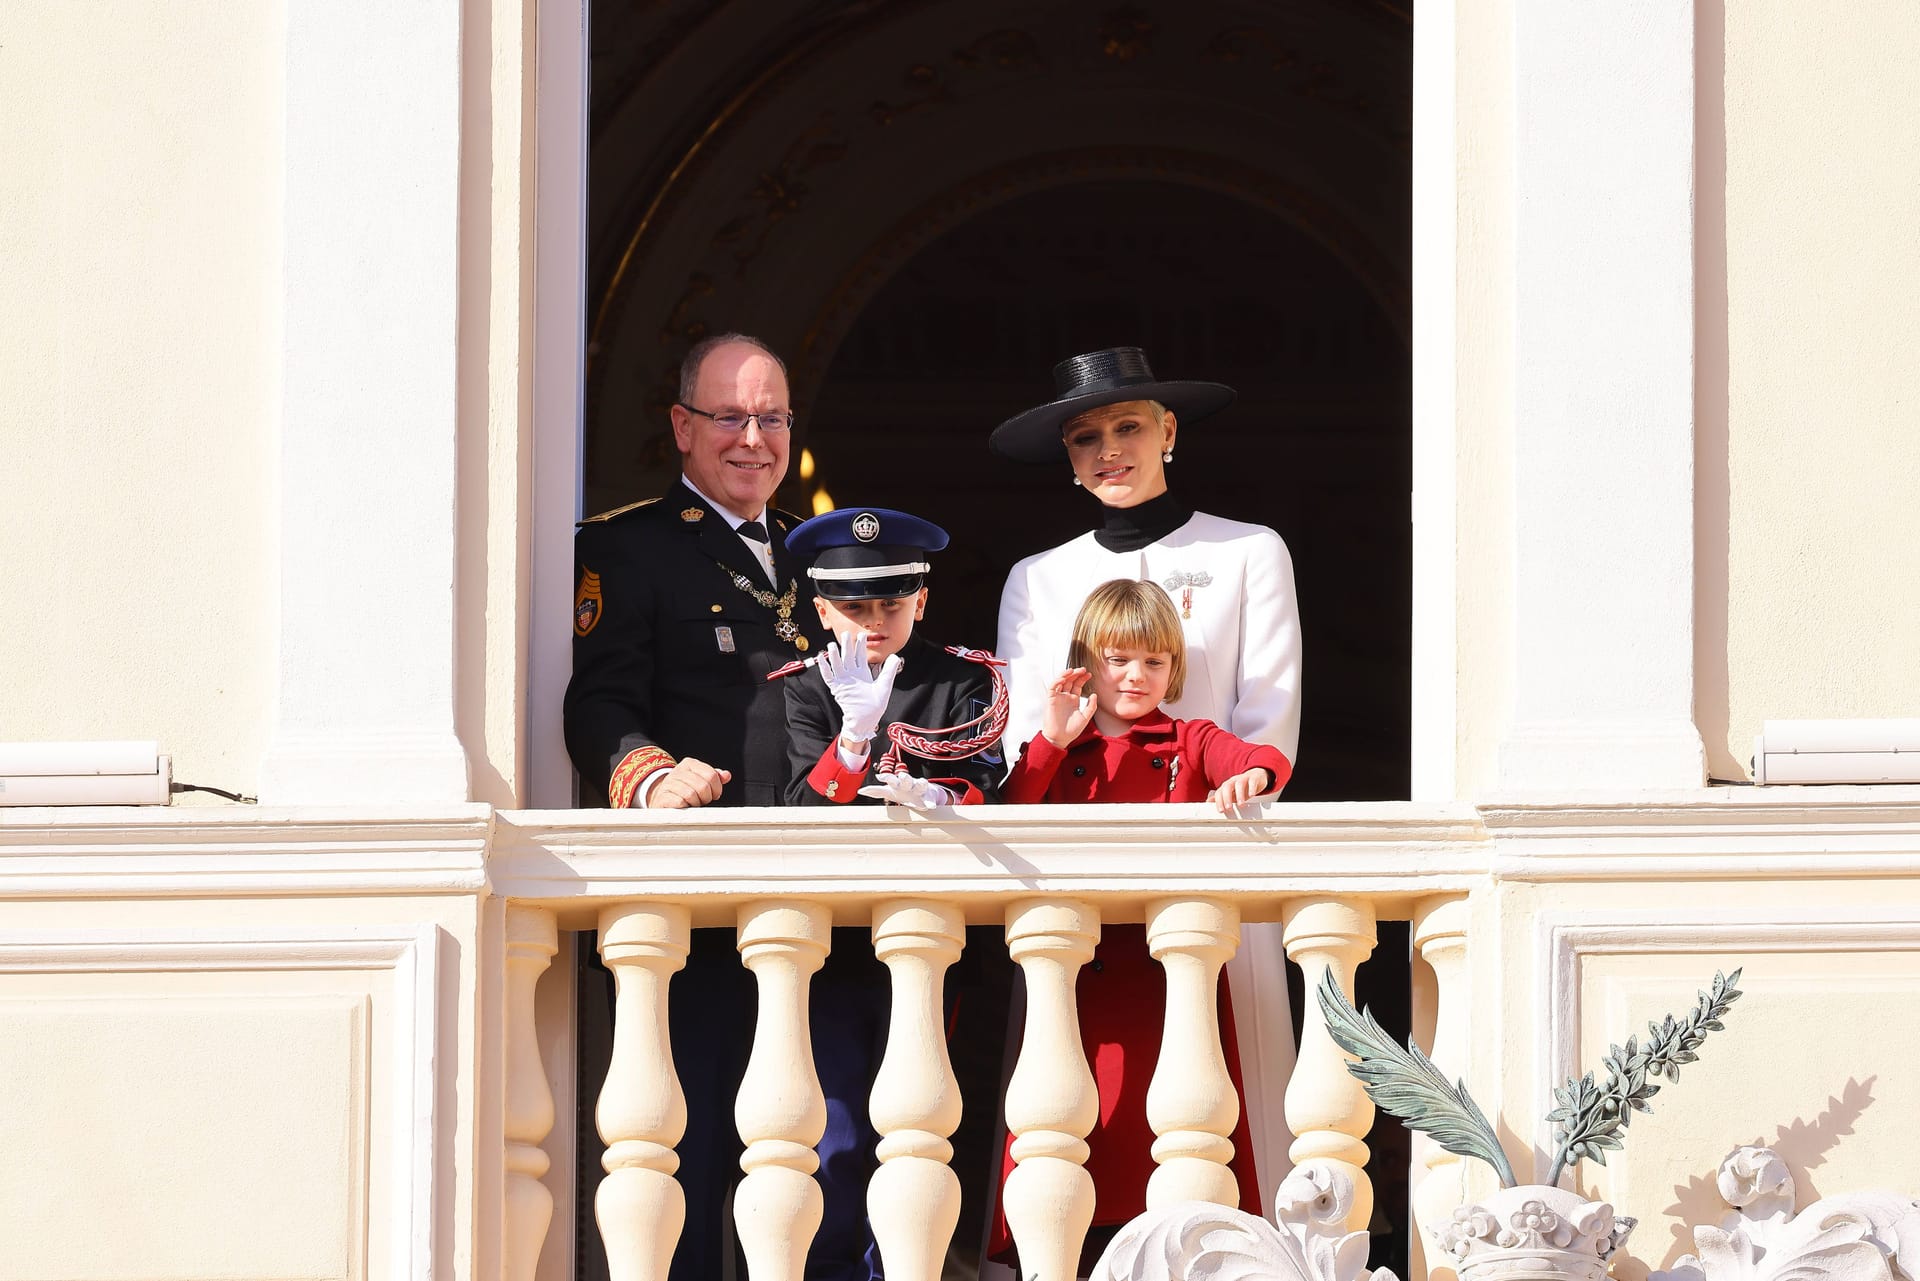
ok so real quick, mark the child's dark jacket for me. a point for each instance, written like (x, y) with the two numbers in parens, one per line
(933, 689)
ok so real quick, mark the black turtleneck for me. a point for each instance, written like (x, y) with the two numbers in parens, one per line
(1128, 529)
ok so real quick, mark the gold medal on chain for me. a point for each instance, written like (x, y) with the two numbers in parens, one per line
(785, 628)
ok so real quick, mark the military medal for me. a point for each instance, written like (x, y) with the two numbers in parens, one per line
(1184, 581)
(786, 629)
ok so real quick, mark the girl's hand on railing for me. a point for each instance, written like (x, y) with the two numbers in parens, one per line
(1240, 789)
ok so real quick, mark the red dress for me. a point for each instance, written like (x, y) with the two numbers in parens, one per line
(1122, 993)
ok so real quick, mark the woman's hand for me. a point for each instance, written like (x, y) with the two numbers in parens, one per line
(1069, 708)
(1240, 789)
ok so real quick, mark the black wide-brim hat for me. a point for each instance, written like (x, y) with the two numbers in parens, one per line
(1100, 378)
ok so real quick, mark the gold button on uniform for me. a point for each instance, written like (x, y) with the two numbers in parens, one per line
(715, 608)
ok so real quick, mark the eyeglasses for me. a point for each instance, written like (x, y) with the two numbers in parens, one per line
(771, 422)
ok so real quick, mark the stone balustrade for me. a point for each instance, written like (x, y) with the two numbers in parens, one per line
(1051, 877)
(346, 1035)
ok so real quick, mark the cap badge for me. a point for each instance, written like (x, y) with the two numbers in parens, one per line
(692, 515)
(866, 527)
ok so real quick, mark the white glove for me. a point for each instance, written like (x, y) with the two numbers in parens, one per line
(905, 789)
(861, 692)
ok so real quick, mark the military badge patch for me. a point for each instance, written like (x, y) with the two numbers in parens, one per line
(692, 514)
(866, 527)
(586, 603)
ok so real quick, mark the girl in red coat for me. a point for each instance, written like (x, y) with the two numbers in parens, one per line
(1103, 737)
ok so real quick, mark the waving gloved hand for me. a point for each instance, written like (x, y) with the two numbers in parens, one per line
(861, 692)
(904, 789)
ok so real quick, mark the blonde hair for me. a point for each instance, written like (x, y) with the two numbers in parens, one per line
(1128, 613)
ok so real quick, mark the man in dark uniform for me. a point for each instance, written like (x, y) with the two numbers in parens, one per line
(684, 605)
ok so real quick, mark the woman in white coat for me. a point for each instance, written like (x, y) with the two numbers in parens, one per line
(1232, 585)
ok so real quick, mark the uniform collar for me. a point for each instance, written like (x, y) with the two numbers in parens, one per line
(723, 545)
(733, 522)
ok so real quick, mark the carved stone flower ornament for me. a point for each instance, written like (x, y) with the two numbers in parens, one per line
(1756, 1182)
(1199, 1241)
(1860, 1236)
(1533, 1232)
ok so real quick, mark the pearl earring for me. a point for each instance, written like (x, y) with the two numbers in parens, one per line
(1167, 457)
(1076, 480)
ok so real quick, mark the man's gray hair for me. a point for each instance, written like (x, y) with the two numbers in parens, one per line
(697, 355)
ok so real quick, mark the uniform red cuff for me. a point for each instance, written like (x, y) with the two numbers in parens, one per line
(834, 780)
(964, 793)
(633, 769)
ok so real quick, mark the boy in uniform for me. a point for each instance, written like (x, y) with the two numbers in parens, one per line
(868, 568)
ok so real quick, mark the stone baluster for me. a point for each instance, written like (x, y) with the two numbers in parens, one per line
(1440, 934)
(641, 1112)
(1191, 1103)
(1051, 1100)
(780, 1111)
(1327, 1110)
(913, 1199)
(532, 939)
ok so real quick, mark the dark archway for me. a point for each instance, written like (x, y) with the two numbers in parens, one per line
(1213, 286)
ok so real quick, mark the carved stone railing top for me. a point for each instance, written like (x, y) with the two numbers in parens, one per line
(1855, 1236)
(984, 858)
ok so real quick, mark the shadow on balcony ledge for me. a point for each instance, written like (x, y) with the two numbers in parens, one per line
(570, 861)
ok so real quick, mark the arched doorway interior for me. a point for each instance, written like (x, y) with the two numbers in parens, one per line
(1215, 286)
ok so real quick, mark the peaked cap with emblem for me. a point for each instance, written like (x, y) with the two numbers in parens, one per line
(866, 553)
(1092, 381)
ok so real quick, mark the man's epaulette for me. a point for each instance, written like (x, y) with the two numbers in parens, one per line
(620, 511)
(785, 520)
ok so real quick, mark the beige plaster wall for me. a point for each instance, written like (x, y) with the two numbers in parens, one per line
(1484, 392)
(139, 257)
(495, 466)
(243, 1096)
(1597, 961)
(1808, 391)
